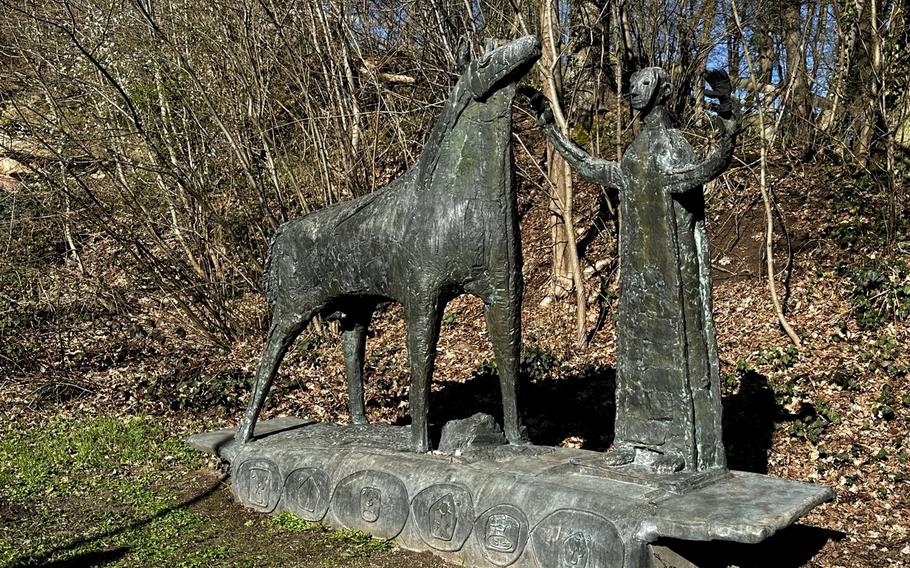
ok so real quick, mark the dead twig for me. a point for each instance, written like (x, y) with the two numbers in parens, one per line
(763, 187)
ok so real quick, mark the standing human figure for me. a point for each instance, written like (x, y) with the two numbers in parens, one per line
(668, 404)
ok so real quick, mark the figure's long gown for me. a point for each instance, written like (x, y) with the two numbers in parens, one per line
(667, 396)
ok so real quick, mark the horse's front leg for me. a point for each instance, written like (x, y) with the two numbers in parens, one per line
(504, 329)
(424, 316)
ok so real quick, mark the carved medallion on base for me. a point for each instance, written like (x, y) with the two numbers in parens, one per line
(444, 515)
(307, 492)
(257, 483)
(374, 502)
(502, 532)
(577, 539)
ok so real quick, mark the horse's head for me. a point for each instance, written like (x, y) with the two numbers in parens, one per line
(482, 96)
(500, 67)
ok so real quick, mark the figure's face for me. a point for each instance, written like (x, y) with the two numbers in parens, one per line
(644, 89)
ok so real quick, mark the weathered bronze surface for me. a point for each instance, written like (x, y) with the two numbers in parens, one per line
(668, 406)
(490, 504)
(448, 226)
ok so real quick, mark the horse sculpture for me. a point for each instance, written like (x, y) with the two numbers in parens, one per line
(446, 227)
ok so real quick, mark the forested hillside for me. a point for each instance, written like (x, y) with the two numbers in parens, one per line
(149, 149)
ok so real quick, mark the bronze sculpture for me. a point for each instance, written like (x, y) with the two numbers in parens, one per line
(668, 408)
(448, 226)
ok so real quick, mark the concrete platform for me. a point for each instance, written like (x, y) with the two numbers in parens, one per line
(499, 505)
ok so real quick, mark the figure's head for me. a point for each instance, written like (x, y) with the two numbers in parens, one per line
(500, 66)
(649, 87)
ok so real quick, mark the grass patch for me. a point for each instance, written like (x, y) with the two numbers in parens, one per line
(291, 522)
(359, 544)
(353, 544)
(81, 457)
(92, 490)
(343, 546)
(103, 490)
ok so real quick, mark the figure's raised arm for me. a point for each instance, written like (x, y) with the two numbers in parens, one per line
(592, 168)
(729, 119)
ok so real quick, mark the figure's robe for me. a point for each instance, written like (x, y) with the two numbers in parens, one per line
(667, 394)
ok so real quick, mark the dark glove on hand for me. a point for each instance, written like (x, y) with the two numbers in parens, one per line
(720, 90)
(540, 106)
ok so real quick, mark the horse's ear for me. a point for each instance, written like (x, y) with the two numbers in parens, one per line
(489, 45)
(462, 54)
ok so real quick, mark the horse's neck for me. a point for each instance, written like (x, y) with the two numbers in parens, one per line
(429, 156)
(472, 158)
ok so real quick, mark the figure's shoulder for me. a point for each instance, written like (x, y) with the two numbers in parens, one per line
(675, 136)
(671, 150)
(678, 146)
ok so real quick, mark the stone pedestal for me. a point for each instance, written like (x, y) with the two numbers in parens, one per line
(494, 504)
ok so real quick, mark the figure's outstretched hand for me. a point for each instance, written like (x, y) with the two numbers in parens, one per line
(721, 89)
(540, 106)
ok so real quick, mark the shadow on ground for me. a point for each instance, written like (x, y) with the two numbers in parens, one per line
(582, 405)
(577, 405)
(84, 560)
(748, 423)
(792, 547)
(107, 556)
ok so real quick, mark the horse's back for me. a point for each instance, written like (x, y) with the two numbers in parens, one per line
(338, 249)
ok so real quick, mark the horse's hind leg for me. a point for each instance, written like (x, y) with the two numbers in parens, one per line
(285, 329)
(354, 338)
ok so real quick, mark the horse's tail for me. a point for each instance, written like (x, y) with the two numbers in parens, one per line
(269, 270)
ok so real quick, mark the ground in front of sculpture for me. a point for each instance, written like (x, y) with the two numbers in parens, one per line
(488, 503)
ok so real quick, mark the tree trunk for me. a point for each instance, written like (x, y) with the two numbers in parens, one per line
(566, 268)
(799, 115)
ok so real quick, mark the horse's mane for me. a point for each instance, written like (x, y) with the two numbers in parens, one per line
(429, 157)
